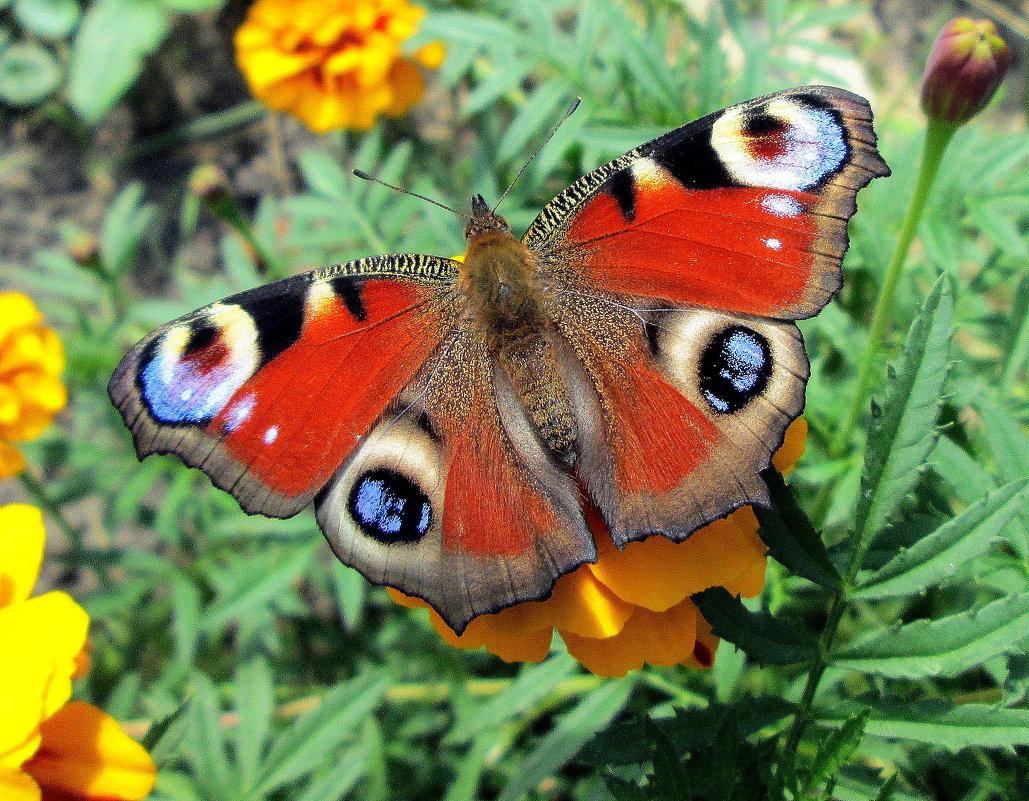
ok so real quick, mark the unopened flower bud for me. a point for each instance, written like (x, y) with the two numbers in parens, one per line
(965, 66)
(209, 181)
(84, 251)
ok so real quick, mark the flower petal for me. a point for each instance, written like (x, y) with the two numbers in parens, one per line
(648, 573)
(85, 752)
(16, 311)
(11, 463)
(656, 638)
(22, 538)
(793, 444)
(582, 605)
(17, 786)
(40, 639)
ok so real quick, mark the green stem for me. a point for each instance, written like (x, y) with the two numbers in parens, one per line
(209, 125)
(937, 135)
(42, 498)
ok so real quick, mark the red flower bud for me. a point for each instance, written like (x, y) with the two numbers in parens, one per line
(967, 63)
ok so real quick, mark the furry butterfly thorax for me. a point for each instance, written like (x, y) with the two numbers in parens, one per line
(632, 359)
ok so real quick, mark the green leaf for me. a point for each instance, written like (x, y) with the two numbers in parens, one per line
(936, 556)
(125, 222)
(904, 431)
(765, 639)
(644, 57)
(28, 74)
(835, 750)
(340, 778)
(107, 54)
(47, 19)
(534, 683)
(790, 537)
(316, 734)
(206, 747)
(192, 6)
(573, 729)
(534, 118)
(250, 591)
(943, 647)
(940, 723)
(255, 705)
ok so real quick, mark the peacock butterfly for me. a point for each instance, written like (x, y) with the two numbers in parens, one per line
(634, 353)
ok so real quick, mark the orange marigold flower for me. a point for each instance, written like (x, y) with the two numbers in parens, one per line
(50, 748)
(334, 63)
(31, 393)
(632, 606)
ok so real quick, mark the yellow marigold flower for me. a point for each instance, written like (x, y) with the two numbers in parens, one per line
(31, 393)
(334, 63)
(50, 748)
(633, 606)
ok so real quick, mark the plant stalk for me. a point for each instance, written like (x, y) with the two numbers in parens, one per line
(937, 136)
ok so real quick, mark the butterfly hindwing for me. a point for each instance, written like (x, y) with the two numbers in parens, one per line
(269, 390)
(743, 210)
(453, 499)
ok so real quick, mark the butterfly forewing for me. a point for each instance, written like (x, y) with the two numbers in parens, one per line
(268, 391)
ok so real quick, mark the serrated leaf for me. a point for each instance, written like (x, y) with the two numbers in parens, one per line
(941, 723)
(791, 539)
(305, 743)
(107, 54)
(943, 647)
(936, 556)
(904, 432)
(765, 639)
(835, 750)
(565, 740)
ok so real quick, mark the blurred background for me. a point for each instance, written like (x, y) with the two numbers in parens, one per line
(142, 176)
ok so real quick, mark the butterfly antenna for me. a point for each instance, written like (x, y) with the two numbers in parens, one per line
(365, 176)
(571, 109)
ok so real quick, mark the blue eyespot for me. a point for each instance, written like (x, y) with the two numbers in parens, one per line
(734, 368)
(389, 507)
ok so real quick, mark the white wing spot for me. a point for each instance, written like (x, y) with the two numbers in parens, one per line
(773, 243)
(271, 435)
(780, 205)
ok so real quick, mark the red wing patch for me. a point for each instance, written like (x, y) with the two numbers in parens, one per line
(294, 422)
(741, 249)
(658, 437)
(491, 508)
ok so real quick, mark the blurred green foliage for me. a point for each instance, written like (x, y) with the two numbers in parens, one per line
(269, 671)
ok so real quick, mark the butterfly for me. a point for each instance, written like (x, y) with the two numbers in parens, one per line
(633, 355)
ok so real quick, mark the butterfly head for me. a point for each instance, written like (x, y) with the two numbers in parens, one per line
(484, 220)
